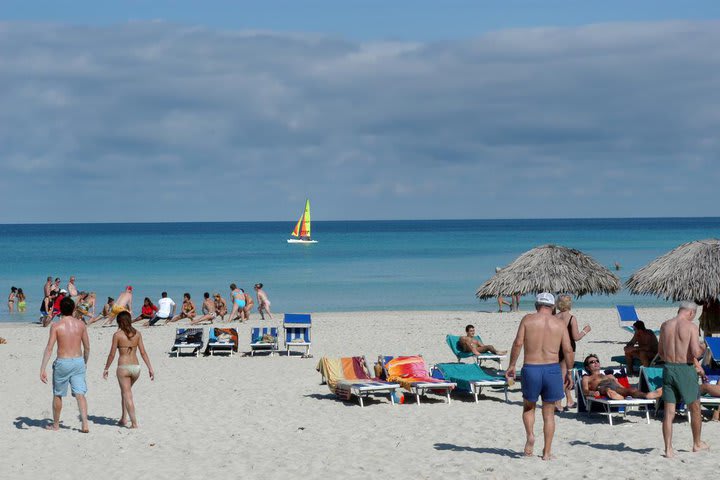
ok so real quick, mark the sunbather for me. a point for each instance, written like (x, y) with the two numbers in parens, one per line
(643, 346)
(598, 383)
(470, 344)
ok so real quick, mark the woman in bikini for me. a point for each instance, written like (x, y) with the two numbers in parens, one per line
(22, 305)
(127, 341)
(220, 306)
(188, 309)
(11, 299)
(564, 304)
(237, 297)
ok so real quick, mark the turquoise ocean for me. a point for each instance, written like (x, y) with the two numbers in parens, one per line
(356, 266)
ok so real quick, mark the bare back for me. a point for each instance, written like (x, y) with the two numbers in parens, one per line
(124, 299)
(543, 335)
(127, 348)
(679, 341)
(69, 332)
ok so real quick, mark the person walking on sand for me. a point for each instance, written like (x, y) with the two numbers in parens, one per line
(237, 299)
(73, 351)
(122, 304)
(543, 336)
(263, 302)
(680, 347)
(564, 304)
(127, 341)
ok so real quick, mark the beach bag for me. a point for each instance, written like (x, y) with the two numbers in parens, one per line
(267, 338)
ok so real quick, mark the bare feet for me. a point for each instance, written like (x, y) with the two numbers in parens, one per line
(122, 423)
(134, 425)
(655, 394)
(500, 352)
(669, 454)
(700, 447)
(613, 395)
(548, 456)
(52, 427)
(716, 415)
(85, 430)
(529, 445)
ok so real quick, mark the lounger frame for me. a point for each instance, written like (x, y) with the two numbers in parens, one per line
(221, 347)
(297, 327)
(258, 332)
(422, 388)
(623, 406)
(196, 346)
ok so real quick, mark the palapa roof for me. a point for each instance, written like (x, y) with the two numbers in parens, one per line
(688, 272)
(551, 268)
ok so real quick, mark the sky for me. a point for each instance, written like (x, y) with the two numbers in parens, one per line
(238, 111)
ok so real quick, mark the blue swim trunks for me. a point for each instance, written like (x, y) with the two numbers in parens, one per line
(69, 371)
(542, 380)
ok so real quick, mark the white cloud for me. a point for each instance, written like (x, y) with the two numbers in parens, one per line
(151, 120)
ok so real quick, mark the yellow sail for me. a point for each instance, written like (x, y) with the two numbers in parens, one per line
(302, 228)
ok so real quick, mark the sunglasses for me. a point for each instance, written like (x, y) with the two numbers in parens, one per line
(593, 361)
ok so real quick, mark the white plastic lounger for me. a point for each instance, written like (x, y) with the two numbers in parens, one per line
(188, 339)
(608, 407)
(350, 376)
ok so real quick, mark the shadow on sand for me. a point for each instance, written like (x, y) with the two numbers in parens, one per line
(617, 447)
(503, 452)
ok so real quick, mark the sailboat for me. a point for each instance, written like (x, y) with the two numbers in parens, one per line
(302, 228)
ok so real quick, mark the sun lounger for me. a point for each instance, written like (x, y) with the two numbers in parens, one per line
(711, 360)
(412, 374)
(471, 377)
(297, 331)
(452, 341)
(188, 339)
(651, 378)
(222, 340)
(605, 406)
(349, 376)
(627, 315)
(263, 339)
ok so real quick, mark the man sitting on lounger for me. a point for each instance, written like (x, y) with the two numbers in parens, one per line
(470, 344)
(643, 346)
(598, 383)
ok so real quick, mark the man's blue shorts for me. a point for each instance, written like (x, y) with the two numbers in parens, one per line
(69, 371)
(542, 380)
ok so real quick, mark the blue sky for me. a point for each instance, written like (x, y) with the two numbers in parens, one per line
(364, 19)
(172, 111)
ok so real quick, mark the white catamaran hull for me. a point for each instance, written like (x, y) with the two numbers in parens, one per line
(295, 240)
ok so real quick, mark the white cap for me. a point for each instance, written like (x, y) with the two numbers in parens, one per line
(546, 299)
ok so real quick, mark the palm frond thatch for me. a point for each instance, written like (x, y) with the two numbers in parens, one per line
(688, 272)
(551, 268)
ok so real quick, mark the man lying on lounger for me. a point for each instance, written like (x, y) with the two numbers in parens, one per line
(598, 383)
(470, 344)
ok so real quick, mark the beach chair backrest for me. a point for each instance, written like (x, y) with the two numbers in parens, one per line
(297, 327)
(453, 342)
(712, 354)
(355, 368)
(189, 335)
(461, 373)
(580, 397)
(651, 378)
(627, 315)
(406, 366)
(257, 333)
(297, 319)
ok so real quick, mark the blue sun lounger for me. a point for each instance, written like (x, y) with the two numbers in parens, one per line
(188, 338)
(627, 315)
(297, 331)
(258, 345)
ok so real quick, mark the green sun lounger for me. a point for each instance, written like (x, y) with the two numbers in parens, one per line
(471, 377)
(452, 341)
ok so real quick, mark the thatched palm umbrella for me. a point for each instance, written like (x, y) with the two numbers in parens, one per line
(551, 268)
(689, 272)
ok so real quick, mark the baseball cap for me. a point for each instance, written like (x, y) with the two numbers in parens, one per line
(546, 299)
(63, 291)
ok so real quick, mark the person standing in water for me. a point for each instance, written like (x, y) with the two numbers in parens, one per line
(127, 341)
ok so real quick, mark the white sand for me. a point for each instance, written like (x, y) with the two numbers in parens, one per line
(270, 417)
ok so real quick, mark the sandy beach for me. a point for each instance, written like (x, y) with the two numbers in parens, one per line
(270, 416)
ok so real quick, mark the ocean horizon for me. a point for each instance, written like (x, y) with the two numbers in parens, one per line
(358, 265)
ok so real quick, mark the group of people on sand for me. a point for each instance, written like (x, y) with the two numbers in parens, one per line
(213, 307)
(546, 340)
(70, 336)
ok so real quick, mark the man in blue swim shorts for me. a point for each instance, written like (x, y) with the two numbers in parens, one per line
(542, 335)
(73, 350)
